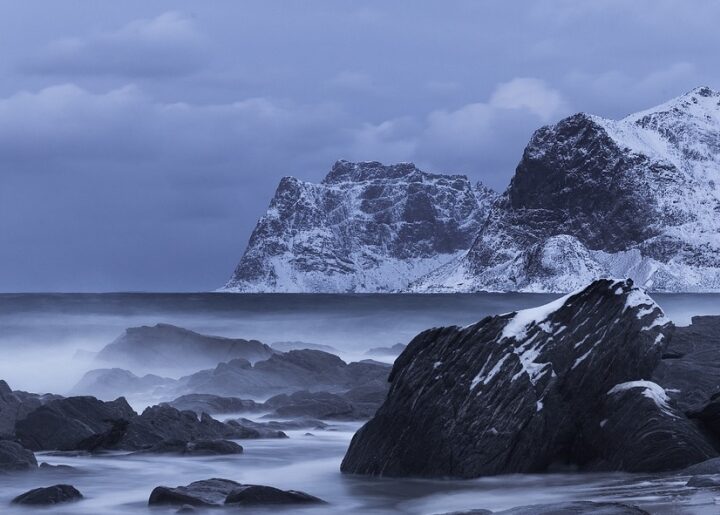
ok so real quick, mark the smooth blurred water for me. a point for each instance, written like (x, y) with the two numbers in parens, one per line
(41, 333)
(117, 484)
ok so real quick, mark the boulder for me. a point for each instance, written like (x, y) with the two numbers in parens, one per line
(55, 494)
(165, 346)
(15, 405)
(63, 424)
(259, 495)
(213, 404)
(14, 457)
(284, 373)
(208, 492)
(259, 429)
(508, 394)
(110, 383)
(322, 405)
(195, 448)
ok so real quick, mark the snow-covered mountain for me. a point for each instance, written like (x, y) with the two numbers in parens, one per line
(591, 197)
(365, 228)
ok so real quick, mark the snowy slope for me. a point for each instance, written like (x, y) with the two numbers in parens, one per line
(365, 228)
(591, 197)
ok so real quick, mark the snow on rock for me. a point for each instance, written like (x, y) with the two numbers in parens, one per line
(591, 198)
(366, 227)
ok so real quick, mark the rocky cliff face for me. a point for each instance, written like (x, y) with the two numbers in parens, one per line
(365, 228)
(591, 197)
(566, 383)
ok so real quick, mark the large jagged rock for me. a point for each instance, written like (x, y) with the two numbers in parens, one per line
(165, 346)
(365, 228)
(592, 197)
(514, 392)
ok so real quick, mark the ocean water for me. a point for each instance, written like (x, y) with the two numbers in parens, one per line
(43, 336)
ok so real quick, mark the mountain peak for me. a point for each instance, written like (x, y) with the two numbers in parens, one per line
(347, 171)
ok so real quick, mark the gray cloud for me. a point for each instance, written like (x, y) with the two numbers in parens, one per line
(140, 141)
(167, 45)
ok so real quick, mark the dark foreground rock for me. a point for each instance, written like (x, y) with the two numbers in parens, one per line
(258, 495)
(217, 492)
(55, 494)
(525, 391)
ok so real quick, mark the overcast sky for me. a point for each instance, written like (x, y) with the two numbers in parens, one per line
(140, 141)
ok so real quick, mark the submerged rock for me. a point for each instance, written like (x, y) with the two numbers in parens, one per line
(515, 392)
(14, 457)
(55, 494)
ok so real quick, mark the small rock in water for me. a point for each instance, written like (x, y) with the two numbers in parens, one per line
(208, 492)
(49, 495)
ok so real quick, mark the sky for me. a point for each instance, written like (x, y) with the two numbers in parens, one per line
(141, 141)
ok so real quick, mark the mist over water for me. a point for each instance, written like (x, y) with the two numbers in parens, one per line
(44, 339)
(43, 336)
